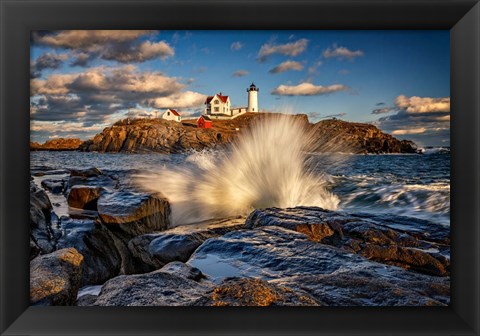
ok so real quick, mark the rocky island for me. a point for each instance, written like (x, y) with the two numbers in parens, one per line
(163, 136)
(60, 144)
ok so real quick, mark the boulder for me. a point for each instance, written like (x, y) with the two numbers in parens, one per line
(40, 220)
(132, 213)
(55, 278)
(34, 249)
(102, 259)
(254, 292)
(291, 259)
(410, 243)
(89, 172)
(178, 244)
(373, 287)
(84, 197)
(156, 250)
(91, 177)
(151, 289)
(55, 186)
(180, 269)
(86, 300)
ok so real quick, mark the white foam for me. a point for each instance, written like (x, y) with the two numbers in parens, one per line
(266, 167)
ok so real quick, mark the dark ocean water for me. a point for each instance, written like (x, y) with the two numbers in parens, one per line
(415, 185)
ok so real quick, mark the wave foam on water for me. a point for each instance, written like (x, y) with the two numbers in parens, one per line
(423, 201)
(266, 166)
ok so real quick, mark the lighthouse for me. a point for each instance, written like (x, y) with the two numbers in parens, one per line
(252, 98)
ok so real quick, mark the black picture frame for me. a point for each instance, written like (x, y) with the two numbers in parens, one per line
(19, 17)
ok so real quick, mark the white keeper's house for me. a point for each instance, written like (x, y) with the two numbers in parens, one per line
(218, 106)
(172, 114)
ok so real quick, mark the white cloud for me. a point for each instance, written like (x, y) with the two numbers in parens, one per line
(422, 104)
(341, 53)
(240, 73)
(409, 131)
(307, 89)
(286, 66)
(125, 80)
(289, 49)
(187, 99)
(123, 46)
(63, 126)
(88, 39)
(235, 46)
(383, 110)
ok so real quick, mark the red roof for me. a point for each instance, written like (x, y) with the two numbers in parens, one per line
(175, 112)
(222, 98)
(205, 117)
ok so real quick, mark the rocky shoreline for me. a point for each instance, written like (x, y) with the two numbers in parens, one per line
(162, 136)
(60, 144)
(121, 239)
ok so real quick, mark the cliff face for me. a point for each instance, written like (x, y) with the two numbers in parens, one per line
(163, 136)
(155, 136)
(59, 144)
(341, 136)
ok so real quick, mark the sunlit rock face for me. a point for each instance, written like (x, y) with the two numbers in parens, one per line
(133, 213)
(254, 292)
(407, 242)
(151, 289)
(55, 278)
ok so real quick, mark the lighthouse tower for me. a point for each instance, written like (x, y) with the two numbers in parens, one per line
(252, 98)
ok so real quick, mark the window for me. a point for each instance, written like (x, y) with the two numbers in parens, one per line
(168, 113)
(216, 109)
(216, 101)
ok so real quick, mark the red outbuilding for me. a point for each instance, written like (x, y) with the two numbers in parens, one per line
(204, 122)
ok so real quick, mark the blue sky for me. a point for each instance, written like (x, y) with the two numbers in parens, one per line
(82, 81)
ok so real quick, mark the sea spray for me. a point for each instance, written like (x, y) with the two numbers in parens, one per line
(266, 166)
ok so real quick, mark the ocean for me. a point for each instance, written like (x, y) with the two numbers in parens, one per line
(416, 185)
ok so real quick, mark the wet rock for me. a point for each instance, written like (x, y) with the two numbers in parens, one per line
(86, 300)
(152, 289)
(183, 270)
(55, 186)
(419, 228)
(373, 287)
(134, 213)
(89, 172)
(269, 252)
(55, 278)
(291, 259)
(407, 258)
(254, 292)
(84, 197)
(178, 244)
(102, 258)
(92, 178)
(34, 249)
(410, 243)
(40, 220)
(157, 250)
